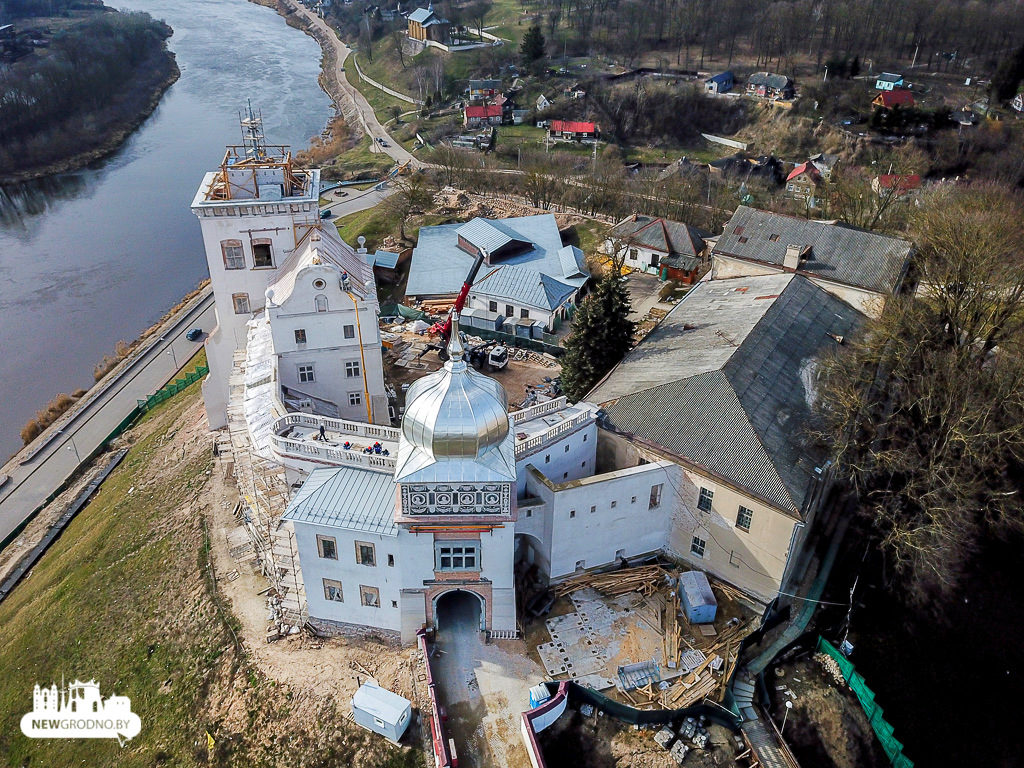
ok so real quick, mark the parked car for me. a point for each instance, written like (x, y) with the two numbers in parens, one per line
(194, 334)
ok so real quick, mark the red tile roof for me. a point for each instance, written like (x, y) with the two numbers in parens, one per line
(902, 183)
(896, 97)
(808, 168)
(484, 112)
(572, 126)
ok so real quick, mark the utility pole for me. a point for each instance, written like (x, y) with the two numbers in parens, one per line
(914, 62)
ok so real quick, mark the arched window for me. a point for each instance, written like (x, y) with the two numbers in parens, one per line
(232, 252)
(321, 303)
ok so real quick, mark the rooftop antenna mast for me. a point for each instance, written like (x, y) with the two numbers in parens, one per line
(252, 133)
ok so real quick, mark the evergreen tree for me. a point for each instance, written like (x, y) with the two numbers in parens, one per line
(601, 335)
(533, 44)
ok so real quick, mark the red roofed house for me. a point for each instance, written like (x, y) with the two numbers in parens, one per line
(898, 97)
(898, 184)
(482, 114)
(803, 182)
(573, 129)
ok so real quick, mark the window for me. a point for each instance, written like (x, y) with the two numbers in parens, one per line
(369, 596)
(509, 310)
(743, 518)
(332, 590)
(743, 239)
(572, 513)
(773, 238)
(524, 313)
(632, 500)
(262, 254)
(327, 546)
(593, 509)
(634, 254)
(704, 502)
(789, 187)
(306, 375)
(456, 556)
(232, 252)
(320, 303)
(565, 475)
(365, 554)
(529, 513)
(584, 438)
(697, 546)
(350, 331)
(391, 560)
(581, 564)
(492, 306)
(394, 604)
(566, 447)
(355, 398)
(241, 302)
(351, 370)
(655, 496)
(547, 458)
(614, 503)
(378, 722)
(300, 335)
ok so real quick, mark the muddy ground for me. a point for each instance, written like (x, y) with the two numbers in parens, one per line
(826, 728)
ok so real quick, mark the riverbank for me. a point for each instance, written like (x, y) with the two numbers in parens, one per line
(96, 133)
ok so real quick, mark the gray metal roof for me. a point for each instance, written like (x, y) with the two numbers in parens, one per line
(838, 252)
(439, 266)
(769, 79)
(420, 15)
(352, 498)
(727, 380)
(665, 235)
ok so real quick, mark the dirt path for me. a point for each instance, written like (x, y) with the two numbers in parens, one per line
(352, 103)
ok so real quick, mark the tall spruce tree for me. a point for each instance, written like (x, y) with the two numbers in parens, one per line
(532, 46)
(601, 335)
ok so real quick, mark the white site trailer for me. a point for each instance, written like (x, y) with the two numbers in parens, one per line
(381, 711)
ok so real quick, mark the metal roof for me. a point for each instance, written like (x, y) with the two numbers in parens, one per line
(439, 266)
(420, 15)
(838, 252)
(381, 703)
(727, 381)
(721, 77)
(352, 498)
(889, 77)
(770, 80)
(665, 235)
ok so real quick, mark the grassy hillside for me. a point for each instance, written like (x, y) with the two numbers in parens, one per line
(126, 596)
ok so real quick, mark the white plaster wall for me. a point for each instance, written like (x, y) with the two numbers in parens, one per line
(596, 536)
(388, 579)
(483, 301)
(326, 346)
(558, 464)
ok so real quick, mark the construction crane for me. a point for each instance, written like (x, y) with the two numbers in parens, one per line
(443, 329)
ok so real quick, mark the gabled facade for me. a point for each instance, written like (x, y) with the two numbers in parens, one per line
(898, 97)
(888, 81)
(803, 183)
(475, 116)
(425, 24)
(481, 91)
(723, 82)
(573, 129)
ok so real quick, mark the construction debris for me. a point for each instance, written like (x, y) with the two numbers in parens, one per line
(644, 579)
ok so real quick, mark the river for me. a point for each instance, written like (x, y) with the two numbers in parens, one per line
(95, 256)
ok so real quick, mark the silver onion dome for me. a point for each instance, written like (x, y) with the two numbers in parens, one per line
(455, 412)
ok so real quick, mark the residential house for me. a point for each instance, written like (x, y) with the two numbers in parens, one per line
(824, 163)
(803, 183)
(722, 388)
(723, 82)
(766, 169)
(528, 273)
(475, 116)
(425, 24)
(900, 97)
(543, 103)
(669, 249)
(896, 184)
(507, 108)
(1018, 102)
(862, 268)
(574, 92)
(888, 81)
(573, 129)
(483, 90)
(767, 85)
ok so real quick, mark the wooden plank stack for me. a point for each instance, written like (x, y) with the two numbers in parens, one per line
(644, 579)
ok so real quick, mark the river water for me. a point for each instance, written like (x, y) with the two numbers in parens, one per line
(92, 257)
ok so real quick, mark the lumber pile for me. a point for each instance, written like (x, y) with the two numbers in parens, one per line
(673, 635)
(693, 687)
(644, 579)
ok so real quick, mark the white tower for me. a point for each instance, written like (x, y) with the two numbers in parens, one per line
(253, 212)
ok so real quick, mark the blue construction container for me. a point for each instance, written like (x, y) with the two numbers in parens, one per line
(698, 601)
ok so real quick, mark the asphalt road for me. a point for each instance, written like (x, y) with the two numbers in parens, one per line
(355, 200)
(59, 451)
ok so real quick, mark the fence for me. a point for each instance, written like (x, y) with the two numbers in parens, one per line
(382, 87)
(173, 388)
(883, 730)
(510, 340)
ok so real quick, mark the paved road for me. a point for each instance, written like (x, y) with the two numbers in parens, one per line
(371, 126)
(356, 200)
(81, 434)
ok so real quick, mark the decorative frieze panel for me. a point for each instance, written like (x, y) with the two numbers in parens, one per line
(456, 499)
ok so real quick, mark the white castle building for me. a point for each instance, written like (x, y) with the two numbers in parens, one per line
(696, 448)
(266, 250)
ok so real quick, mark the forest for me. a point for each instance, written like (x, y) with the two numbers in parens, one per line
(90, 87)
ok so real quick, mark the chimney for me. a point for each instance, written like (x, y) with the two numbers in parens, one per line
(792, 260)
